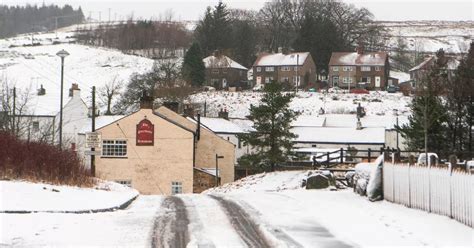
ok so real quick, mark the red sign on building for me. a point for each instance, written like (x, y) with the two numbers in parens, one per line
(145, 133)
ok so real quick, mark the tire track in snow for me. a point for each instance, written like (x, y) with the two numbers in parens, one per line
(171, 226)
(243, 224)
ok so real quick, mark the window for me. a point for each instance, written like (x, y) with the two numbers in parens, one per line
(285, 68)
(285, 79)
(259, 69)
(269, 68)
(125, 182)
(268, 79)
(215, 71)
(351, 68)
(347, 80)
(176, 188)
(114, 148)
(296, 80)
(377, 68)
(296, 68)
(335, 68)
(224, 71)
(345, 68)
(35, 125)
(365, 68)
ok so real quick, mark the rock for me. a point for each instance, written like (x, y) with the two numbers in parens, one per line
(318, 181)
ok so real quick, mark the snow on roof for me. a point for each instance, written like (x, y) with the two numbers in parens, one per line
(222, 62)
(220, 125)
(451, 64)
(401, 76)
(100, 121)
(422, 64)
(334, 135)
(280, 59)
(309, 121)
(353, 58)
(245, 124)
(209, 171)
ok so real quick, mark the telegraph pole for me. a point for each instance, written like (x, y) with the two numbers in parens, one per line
(14, 108)
(93, 130)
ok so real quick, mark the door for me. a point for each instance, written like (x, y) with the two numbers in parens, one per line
(377, 82)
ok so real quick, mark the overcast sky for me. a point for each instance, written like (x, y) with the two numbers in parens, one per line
(193, 9)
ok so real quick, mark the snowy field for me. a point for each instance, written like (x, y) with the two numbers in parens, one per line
(30, 67)
(429, 36)
(308, 103)
(26, 196)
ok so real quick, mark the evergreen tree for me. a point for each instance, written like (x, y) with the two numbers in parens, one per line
(203, 32)
(193, 69)
(214, 31)
(272, 137)
(318, 37)
(460, 102)
(426, 129)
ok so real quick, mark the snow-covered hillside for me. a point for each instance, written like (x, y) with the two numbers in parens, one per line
(308, 103)
(429, 36)
(29, 67)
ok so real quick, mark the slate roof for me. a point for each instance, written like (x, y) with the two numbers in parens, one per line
(353, 58)
(280, 59)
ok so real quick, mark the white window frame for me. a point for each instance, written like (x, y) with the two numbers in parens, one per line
(176, 188)
(365, 68)
(335, 68)
(35, 126)
(117, 145)
(377, 68)
(351, 68)
(269, 68)
(215, 71)
(285, 79)
(285, 68)
(259, 69)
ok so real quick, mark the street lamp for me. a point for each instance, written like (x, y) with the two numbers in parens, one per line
(217, 169)
(62, 54)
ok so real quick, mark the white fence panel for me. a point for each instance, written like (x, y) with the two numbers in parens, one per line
(436, 190)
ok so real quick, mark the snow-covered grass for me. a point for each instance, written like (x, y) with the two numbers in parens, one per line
(353, 219)
(308, 103)
(125, 228)
(27, 196)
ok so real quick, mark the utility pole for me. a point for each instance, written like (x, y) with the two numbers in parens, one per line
(109, 14)
(62, 54)
(296, 70)
(14, 108)
(93, 130)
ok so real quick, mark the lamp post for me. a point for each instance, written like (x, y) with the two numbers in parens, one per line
(62, 54)
(395, 112)
(296, 70)
(217, 169)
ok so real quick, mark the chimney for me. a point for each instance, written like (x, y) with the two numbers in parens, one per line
(74, 90)
(198, 128)
(173, 106)
(146, 102)
(188, 110)
(217, 53)
(285, 50)
(223, 114)
(41, 91)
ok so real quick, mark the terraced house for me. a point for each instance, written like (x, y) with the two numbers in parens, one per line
(368, 70)
(291, 68)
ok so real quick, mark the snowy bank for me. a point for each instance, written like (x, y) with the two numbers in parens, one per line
(19, 196)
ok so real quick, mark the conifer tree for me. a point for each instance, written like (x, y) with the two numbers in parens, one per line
(193, 69)
(272, 138)
(426, 127)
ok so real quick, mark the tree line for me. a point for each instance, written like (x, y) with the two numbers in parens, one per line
(33, 18)
(443, 109)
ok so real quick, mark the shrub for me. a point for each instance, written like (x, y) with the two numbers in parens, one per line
(40, 162)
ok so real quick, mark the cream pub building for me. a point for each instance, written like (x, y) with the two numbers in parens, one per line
(161, 152)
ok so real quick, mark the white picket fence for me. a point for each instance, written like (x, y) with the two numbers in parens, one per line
(436, 190)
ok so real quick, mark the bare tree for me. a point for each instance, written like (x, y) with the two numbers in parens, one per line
(108, 92)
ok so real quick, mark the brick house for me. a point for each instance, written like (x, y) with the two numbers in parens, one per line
(292, 68)
(418, 72)
(370, 70)
(223, 72)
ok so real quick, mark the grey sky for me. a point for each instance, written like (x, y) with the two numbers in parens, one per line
(193, 9)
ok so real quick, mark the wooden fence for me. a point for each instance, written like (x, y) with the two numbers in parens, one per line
(436, 190)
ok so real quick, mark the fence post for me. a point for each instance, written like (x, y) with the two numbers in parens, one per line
(450, 192)
(369, 154)
(409, 179)
(342, 155)
(328, 161)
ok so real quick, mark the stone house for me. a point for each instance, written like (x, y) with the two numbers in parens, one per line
(222, 72)
(369, 70)
(290, 68)
(157, 152)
